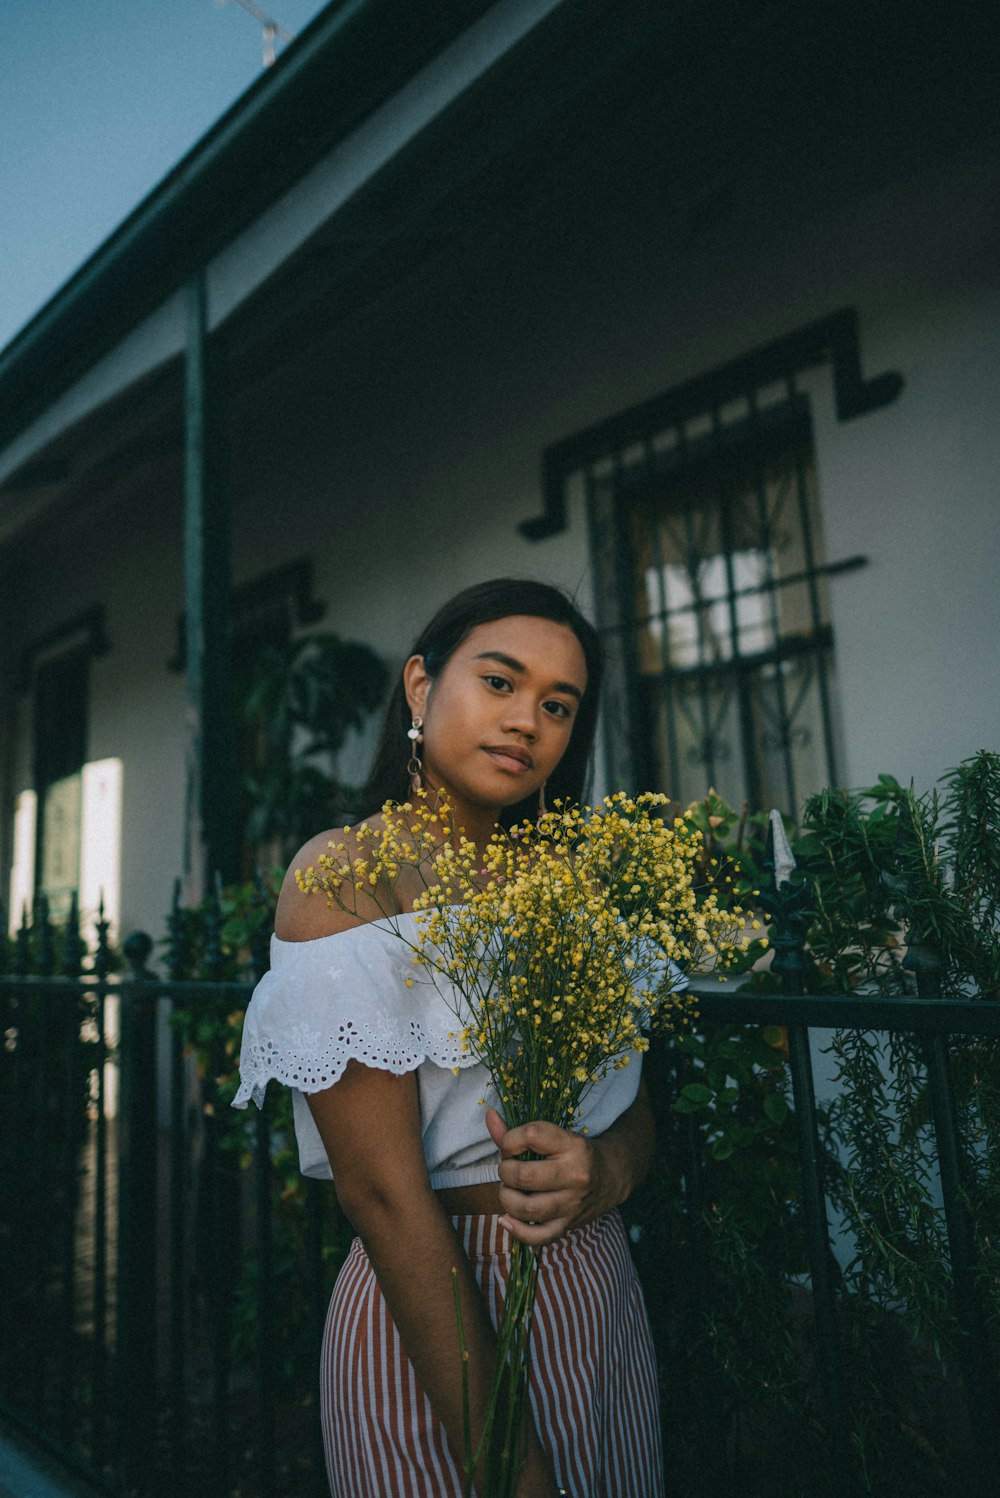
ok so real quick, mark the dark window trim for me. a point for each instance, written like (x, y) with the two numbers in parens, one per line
(291, 583)
(643, 473)
(832, 340)
(86, 631)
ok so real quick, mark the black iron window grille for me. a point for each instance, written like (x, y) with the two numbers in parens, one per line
(714, 601)
(711, 585)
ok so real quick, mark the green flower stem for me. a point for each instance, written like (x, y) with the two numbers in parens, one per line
(511, 1375)
(468, 1455)
(504, 1434)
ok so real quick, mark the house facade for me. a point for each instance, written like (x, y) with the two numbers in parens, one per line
(692, 310)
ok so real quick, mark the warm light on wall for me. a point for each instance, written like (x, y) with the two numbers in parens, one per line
(22, 873)
(101, 844)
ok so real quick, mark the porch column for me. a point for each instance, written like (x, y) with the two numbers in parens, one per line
(212, 840)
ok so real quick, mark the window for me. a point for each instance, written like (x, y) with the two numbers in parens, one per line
(709, 542)
(67, 831)
(60, 739)
(710, 582)
(265, 613)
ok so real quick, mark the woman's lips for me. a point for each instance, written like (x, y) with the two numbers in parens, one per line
(510, 757)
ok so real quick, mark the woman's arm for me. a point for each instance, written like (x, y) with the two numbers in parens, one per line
(578, 1177)
(369, 1122)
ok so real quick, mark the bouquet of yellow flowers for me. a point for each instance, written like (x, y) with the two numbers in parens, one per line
(558, 947)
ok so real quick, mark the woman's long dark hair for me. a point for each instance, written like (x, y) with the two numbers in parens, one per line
(481, 604)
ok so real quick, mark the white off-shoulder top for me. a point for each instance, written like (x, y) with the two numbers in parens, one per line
(358, 994)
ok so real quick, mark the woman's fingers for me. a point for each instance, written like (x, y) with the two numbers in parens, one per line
(536, 1138)
(535, 1234)
(540, 1206)
(496, 1127)
(542, 1197)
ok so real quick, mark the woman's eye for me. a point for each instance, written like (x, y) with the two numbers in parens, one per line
(499, 683)
(557, 709)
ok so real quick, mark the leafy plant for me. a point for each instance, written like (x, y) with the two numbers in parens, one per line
(905, 889)
(224, 939)
(721, 1260)
(890, 887)
(302, 701)
(888, 868)
(299, 703)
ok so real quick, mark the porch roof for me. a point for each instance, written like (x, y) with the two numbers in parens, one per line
(684, 97)
(354, 55)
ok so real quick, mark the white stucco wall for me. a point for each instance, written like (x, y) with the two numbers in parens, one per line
(126, 553)
(916, 487)
(409, 474)
(402, 451)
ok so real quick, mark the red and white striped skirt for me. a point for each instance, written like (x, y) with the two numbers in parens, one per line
(594, 1389)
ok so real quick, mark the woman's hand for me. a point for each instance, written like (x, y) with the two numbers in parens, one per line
(575, 1179)
(545, 1197)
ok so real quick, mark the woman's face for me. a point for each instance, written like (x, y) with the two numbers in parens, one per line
(499, 717)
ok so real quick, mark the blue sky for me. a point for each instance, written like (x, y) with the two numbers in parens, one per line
(98, 100)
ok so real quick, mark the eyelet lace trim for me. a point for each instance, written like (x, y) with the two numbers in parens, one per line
(310, 1015)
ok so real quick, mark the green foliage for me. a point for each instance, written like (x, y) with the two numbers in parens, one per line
(887, 1175)
(981, 1092)
(903, 884)
(300, 703)
(226, 930)
(885, 862)
(303, 700)
(720, 1264)
(889, 883)
(55, 1033)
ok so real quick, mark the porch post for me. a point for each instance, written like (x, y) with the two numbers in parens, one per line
(211, 839)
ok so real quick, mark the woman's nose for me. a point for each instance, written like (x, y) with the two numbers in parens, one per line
(522, 718)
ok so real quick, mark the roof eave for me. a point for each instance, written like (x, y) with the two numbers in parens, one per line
(345, 65)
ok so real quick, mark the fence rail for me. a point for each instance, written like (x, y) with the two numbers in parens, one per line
(164, 1276)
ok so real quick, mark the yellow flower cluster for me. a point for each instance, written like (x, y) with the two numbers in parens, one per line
(558, 946)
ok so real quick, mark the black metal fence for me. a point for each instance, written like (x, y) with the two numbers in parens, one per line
(164, 1272)
(132, 1240)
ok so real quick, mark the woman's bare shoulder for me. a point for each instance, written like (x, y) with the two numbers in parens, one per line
(305, 915)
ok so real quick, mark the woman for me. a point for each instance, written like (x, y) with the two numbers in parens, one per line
(495, 708)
